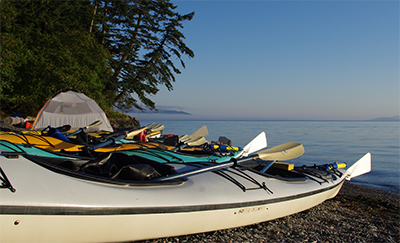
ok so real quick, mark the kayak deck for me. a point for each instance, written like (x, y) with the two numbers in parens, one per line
(121, 169)
(51, 200)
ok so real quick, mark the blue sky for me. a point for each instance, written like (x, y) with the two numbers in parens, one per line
(273, 60)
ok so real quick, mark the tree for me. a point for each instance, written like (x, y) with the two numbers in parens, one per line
(46, 47)
(117, 52)
(13, 53)
(142, 37)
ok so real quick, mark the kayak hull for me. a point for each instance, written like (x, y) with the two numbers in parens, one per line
(127, 227)
(53, 207)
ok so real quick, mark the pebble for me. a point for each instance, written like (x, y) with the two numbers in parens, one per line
(357, 214)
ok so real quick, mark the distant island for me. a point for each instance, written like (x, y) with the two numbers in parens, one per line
(158, 111)
(393, 118)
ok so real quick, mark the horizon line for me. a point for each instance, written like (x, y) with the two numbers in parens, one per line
(376, 119)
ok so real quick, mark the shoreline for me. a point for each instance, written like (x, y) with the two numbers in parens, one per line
(370, 193)
(356, 214)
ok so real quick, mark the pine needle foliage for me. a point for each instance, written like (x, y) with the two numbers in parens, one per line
(116, 52)
(142, 36)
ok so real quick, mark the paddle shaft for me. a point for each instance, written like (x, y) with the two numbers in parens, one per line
(94, 124)
(285, 151)
(112, 140)
(202, 170)
(106, 143)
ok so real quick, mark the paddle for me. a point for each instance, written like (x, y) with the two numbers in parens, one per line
(256, 144)
(152, 127)
(201, 132)
(124, 135)
(281, 152)
(195, 139)
(360, 167)
(156, 127)
(155, 131)
(94, 124)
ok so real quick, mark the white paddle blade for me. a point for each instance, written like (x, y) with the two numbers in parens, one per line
(256, 144)
(184, 138)
(281, 152)
(360, 167)
(158, 127)
(196, 141)
(94, 124)
(151, 126)
(201, 132)
(131, 134)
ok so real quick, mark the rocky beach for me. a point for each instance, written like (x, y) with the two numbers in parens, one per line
(356, 214)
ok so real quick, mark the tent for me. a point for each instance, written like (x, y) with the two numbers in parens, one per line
(71, 108)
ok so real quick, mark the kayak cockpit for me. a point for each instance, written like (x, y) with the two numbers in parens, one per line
(113, 168)
(281, 173)
(122, 169)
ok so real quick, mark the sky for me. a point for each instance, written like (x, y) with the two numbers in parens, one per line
(286, 60)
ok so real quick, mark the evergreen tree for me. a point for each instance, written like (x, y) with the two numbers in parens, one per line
(13, 54)
(117, 52)
(142, 36)
(46, 46)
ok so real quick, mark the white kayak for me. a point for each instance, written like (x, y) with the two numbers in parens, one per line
(44, 201)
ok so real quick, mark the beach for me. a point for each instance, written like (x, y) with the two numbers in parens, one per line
(356, 214)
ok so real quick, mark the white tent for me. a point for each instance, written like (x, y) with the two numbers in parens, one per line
(71, 108)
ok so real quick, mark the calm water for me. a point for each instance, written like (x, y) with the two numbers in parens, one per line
(324, 142)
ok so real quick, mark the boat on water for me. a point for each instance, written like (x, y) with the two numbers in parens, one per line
(51, 199)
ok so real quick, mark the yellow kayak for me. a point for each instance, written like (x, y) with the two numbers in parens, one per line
(55, 144)
(22, 132)
(97, 134)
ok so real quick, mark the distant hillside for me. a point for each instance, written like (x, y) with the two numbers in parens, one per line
(393, 118)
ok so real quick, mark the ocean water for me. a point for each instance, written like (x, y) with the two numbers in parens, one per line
(324, 142)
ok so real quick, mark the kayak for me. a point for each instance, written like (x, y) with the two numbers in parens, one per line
(153, 154)
(44, 199)
(152, 131)
(159, 155)
(150, 150)
(209, 153)
(57, 141)
(65, 134)
(55, 144)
